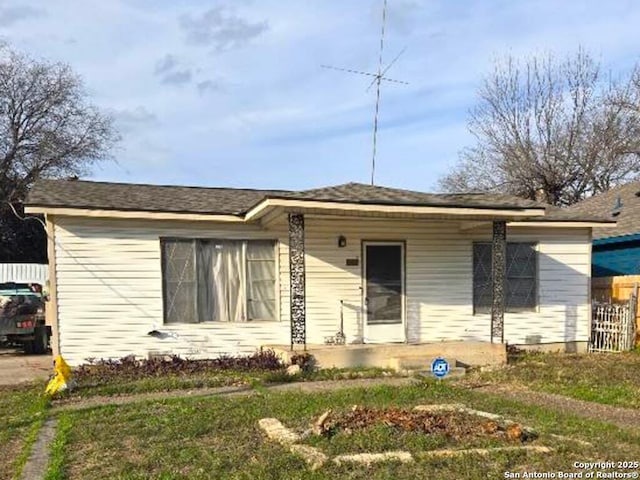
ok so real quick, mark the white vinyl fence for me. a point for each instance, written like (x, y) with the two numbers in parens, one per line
(24, 273)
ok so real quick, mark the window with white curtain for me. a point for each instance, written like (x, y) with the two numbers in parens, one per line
(218, 280)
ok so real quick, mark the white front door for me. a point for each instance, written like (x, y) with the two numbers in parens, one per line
(383, 292)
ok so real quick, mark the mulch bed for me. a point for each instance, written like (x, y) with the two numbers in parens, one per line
(455, 425)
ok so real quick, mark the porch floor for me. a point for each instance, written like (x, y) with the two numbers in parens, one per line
(399, 356)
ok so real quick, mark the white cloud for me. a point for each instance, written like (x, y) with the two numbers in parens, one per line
(10, 14)
(221, 28)
(171, 72)
(208, 86)
(138, 116)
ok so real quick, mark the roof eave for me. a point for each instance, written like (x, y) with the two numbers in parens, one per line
(504, 206)
(269, 203)
(131, 214)
(563, 223)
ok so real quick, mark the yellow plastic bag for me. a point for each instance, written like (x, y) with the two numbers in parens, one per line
(61, 378)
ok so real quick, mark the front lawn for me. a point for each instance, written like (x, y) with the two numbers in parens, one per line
(22, 412)
(216, 437)
(612, 379)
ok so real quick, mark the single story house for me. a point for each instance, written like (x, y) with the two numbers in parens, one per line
(616, 251)
(142, 269)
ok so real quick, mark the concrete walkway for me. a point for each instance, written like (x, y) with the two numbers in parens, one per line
(628, 418)
(36, 466)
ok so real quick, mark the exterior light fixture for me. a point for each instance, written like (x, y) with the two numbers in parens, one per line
(342, 241)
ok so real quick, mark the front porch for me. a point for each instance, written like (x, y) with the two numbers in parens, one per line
(399, 356)
(394, 285)
(386, 319)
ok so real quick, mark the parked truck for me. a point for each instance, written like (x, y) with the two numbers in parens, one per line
(22, 318)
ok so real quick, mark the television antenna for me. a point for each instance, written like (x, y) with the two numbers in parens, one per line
(377, 79)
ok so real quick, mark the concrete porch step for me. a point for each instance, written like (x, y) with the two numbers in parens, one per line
(416, 357)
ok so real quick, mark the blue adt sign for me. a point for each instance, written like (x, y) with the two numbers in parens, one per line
(440, 367)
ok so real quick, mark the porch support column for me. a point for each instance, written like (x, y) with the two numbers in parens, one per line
(498, 273)
(297, 279)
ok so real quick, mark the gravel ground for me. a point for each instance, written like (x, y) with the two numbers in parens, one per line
(17, 367)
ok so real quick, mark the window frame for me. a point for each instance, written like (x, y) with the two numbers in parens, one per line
(193, 240)
(536, 296)
(276, 283)
(163, 279)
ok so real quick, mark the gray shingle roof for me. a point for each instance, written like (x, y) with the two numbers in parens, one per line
(138, 197)
(362, 193)
(205, 200)
(628, 219)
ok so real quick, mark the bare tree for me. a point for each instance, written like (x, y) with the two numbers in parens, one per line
(550, 130)
(47, 129)
(630, 98)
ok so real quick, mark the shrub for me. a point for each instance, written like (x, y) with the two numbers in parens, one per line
(130, 367)
(305, 361)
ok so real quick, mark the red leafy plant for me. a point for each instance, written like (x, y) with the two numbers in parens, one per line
(131, 368)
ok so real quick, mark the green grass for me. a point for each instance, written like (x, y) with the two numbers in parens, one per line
(28, 441)
(604, 378)
(158, 384)
(55, 469)
(216, 378)
(22, 412)
(215, 437)
(349, 373)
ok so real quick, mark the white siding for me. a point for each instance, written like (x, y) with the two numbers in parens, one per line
(109, 292)
(110, 288)
(439, 285)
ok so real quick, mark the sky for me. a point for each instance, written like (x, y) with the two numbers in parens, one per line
(232, 93)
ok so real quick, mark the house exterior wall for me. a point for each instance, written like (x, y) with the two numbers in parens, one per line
(614, 257)
(109, 291)
(439, 284)
(109, 286)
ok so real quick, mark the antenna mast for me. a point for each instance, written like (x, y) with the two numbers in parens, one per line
(377, 79)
